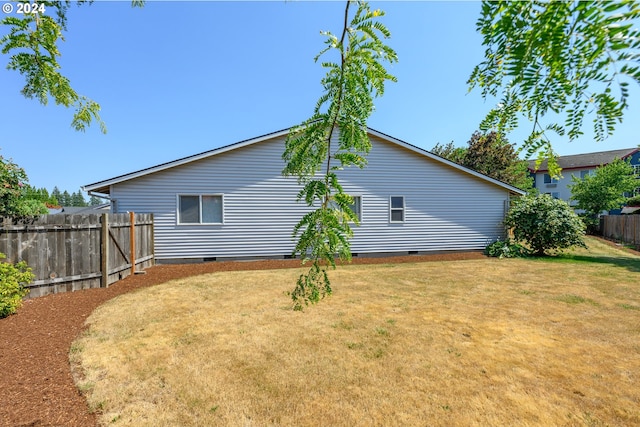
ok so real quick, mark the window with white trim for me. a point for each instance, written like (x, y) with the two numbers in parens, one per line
(549, 180)
(636, 169)
(396, 209)
(356, 206)
(200, 209)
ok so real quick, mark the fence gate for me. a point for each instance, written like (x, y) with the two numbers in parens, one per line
(72, 252)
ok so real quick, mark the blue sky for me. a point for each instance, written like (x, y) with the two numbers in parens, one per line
(179, 78)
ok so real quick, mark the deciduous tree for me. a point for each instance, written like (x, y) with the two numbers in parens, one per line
(604, 190)
(13, 189)
(333, 138)
(492, 155)
(573, 58)
(32, 45)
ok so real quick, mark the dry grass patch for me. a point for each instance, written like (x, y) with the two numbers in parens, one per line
(481, 342)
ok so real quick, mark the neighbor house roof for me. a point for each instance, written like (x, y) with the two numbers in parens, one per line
(103, 187)
(81, 209)
(586, 160)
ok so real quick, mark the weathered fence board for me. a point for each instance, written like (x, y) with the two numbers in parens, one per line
(72, 252)
(624, 228)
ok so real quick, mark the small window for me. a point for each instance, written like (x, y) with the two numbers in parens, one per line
(396, 209)
(200, 209)
(636, 169)
(549, 180)
(356, 207)
(584, 173)
(554, 194)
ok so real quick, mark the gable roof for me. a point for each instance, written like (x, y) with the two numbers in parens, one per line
(586, 160)
(103, 187)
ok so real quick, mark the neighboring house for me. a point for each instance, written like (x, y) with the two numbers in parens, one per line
(578, 165)
(233, 202)
(98, 209)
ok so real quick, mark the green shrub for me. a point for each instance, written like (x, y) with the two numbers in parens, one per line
(12, 281)
(545, 224)
(506, 249)
(633, 201)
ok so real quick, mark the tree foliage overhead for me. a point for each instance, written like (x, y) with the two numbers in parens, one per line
(32, 45)
(604, 190)
(545, 57)
(333, 138)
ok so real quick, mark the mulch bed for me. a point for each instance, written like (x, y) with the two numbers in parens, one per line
(36, 386)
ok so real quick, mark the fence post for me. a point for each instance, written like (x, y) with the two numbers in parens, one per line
(104, 251)
(132, 241)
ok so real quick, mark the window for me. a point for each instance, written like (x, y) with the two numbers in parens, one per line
(636, 169)
(549, 180)
(584, 173)
(356, 207)
(200, 209)
(396, 209)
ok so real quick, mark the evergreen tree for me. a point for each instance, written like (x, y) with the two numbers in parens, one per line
(66, 199)
(57, 195)
(77, 199)
(95, 201)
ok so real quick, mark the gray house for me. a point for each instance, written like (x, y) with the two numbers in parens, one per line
(233, 202)
(578, 165)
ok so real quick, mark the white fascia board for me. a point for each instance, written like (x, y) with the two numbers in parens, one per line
(454, 165)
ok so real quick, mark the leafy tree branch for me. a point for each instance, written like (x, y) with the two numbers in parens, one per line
(333, 138)
(575, 58)
(32, 45)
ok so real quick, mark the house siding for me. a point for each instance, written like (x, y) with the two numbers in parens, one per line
(445, 209)
(563, 187)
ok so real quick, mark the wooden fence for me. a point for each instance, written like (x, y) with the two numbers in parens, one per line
(623, 228)
(72, 252)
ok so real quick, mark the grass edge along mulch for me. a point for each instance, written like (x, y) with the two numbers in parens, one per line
(37, 385)
(479, 342)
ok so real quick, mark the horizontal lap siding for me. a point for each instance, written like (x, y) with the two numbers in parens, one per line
(445, 208)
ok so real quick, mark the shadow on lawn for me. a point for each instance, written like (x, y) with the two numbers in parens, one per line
(631, 264)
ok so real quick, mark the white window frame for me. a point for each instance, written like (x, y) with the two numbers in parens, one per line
(199, 196)
(551, 179)
(636, 169)
(355, 197)
(402, 209)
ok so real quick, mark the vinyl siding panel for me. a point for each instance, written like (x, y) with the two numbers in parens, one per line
(445, 209)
